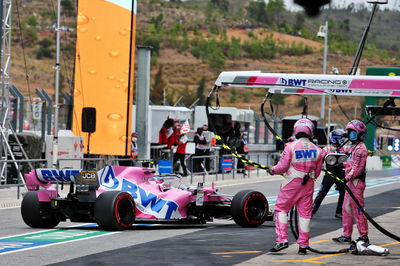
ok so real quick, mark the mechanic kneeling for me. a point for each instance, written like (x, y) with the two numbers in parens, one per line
(301, 162)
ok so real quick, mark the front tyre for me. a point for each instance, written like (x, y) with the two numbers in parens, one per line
(37, 214)
(114, 210)
(249, 208)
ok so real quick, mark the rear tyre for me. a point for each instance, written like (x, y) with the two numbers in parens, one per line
(37, 214)
(249, 208)
(114, 210)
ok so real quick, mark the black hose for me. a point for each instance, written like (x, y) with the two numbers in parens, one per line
(370, 219)
(295, 232)
(268, 96)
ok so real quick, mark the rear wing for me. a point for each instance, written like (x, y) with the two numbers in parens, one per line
(313, 84)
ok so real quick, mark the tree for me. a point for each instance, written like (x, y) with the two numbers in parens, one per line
(45, 49)
(274, 9)
(278, 99)
(234, 96)
(235, 49)
(189, 96)
(157, 92)
(345, 25)
(158, 22)
(216, 60)
(31, 21)
(256, 11)
(67, 5)
(200, 92)
(299, 21)
(221, 5)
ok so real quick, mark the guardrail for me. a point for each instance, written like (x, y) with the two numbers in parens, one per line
(12, 170)
(11, 173)
(233, 169)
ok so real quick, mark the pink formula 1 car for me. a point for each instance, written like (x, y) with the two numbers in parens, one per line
(116, 197)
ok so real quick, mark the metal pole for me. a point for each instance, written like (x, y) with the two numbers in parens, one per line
(142, 102)
(324, 71)
(20, 109)
(48, 100)
(57, 87)
(357, 58)
(324, 67)
(2, 74)
(329, 117)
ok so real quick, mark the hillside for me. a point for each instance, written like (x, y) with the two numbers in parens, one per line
(193, 42)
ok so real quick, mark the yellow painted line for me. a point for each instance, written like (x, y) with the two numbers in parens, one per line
(395, 207)
(319, 241)
(390, 244)
(227, 256)
(317, 262)
(312, 260)
(238, 252)
(315, 259)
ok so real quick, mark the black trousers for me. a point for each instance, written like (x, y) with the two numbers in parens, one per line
(240, 165)
(197, 162)
(326, 185)
(181, 158)
(206, 153)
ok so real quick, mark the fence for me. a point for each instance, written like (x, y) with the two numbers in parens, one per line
(214, 164)
(228, 165)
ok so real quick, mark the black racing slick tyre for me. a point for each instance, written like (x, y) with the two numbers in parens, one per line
(249, 208)
(37, 214)
(114, 210)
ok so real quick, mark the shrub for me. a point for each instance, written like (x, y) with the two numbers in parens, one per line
(260, 49)
(44, 53)
(46, 42)
(233, 97)
(234, 51)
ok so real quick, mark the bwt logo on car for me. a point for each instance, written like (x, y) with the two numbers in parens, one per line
(306, 154)
(293, 82)
(54, 175)
(340, 91)
(146, 202)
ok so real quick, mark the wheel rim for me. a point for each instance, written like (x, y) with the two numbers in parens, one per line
(124, 210)
(254, 208)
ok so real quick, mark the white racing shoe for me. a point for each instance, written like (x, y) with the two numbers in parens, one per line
(279, 247)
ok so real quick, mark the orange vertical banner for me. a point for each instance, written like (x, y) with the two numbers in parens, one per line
(104, 72)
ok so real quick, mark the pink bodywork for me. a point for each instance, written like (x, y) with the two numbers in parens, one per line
(45, 191)
(152, 199)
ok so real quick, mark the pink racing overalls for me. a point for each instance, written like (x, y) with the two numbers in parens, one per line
(355, 174)
(299, 158)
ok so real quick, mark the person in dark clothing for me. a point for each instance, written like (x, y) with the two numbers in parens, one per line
(200, 142)
(336, 138)
(207, 150)
(235, 142)
(242, 149)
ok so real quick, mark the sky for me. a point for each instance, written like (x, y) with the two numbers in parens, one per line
(392, 4)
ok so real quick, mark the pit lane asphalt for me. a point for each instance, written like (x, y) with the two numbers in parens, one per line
(218, 243)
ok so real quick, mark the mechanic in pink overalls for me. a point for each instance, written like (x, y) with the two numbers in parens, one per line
(301, 163)
(355, 176)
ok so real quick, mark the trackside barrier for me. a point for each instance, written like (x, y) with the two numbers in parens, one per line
(11, 175)
(200, 161)
(12, 178)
